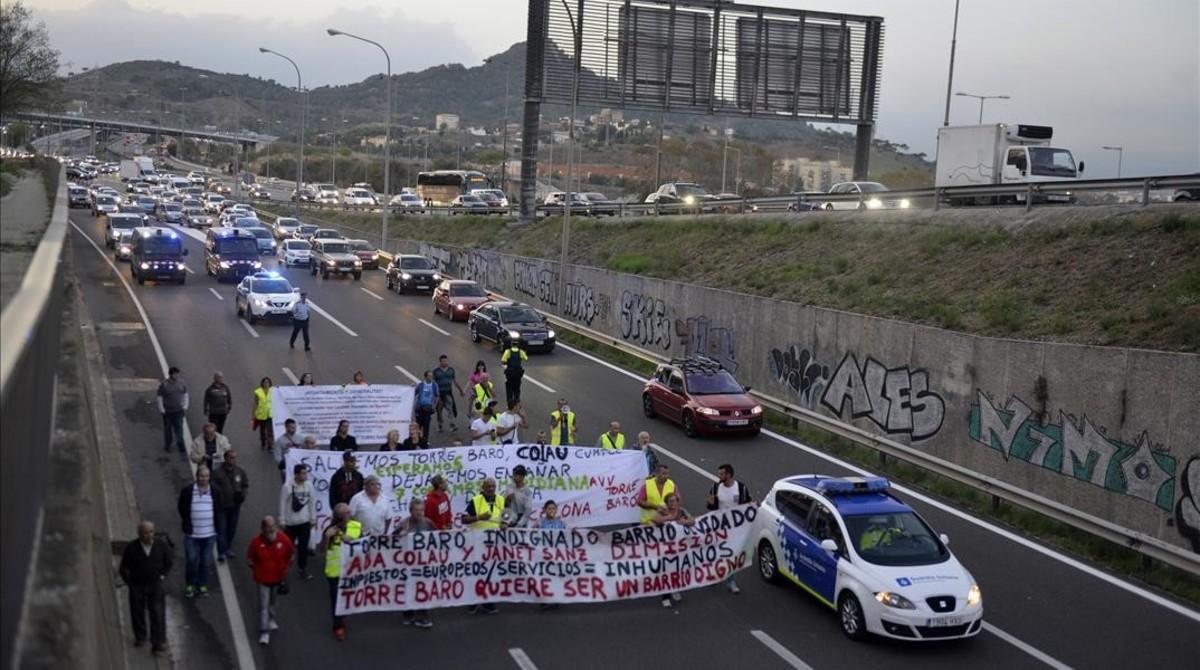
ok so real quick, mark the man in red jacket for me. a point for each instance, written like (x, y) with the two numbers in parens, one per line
(269, 555)
(437, 504)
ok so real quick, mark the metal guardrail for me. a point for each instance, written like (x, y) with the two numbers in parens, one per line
(1152, 547)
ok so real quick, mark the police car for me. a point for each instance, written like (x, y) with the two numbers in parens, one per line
(265, 295)
(855, 547)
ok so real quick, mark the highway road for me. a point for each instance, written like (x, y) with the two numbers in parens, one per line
(1042, 609)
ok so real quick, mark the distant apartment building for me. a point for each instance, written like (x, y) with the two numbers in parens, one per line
(374, 141)
(803, 174)
(446, 122)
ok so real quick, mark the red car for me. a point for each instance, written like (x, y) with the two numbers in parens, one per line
(366, 253)
(457, 298)
(700, 395)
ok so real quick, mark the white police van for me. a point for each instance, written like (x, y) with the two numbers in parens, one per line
(855, 547)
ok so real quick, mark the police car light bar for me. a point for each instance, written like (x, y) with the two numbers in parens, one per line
(847, 485)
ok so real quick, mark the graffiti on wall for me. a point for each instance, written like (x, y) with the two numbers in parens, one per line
(898, 400)
(799, 371)
(585, 305)
(534, 281)
(482, 267)
(1076, 448)
(1187, 511)
(644, 321)
(699, 337)
(442, 259)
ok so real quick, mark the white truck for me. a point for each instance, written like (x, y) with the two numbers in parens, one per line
(136, 169)
(1001, 153)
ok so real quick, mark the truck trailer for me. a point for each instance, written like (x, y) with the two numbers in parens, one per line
(1001, 153)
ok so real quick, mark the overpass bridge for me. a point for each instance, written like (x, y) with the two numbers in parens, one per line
(247, 142)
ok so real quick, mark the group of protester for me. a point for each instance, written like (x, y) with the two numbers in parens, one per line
(209, 508)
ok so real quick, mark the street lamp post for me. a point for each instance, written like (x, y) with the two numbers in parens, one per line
(950, 77)
(1120, 154)
(982, 99)
(182, 119)
(387, 133)
(300, 92)
(504, 133)
(577, 38)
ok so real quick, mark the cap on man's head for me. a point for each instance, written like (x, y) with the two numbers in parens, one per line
(348, 455)
(172, 370)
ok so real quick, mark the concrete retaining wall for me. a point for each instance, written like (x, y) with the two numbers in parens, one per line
(1112, 432)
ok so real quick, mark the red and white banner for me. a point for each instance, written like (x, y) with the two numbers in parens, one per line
(523, 565)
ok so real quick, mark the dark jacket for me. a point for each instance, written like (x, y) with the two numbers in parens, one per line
(231, 484)
(339, 443)
(217, 399)
(743, 494)
(343, 485)
(185, 505)
(139, 570)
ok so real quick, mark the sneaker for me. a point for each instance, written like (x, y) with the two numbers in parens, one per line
(473, 609)
(339, 633)
(273, 627)
(423, 623)
(406, 621)
(264, 639)
(733, 588)
(667, 603)
(677, 596)
(189, 592)
(203, 591)
(491, 609)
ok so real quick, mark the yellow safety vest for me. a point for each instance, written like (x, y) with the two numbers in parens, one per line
(262, 408)
(483, 395)
(496, 508)
(556, 432)
(656, 497)
(607, 443)
(333, 552)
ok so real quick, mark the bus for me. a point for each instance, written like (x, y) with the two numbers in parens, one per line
(441, 186)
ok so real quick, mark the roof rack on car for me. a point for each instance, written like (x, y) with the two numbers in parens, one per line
(697, 363)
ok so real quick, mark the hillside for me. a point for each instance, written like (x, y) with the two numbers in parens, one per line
(1121, 276)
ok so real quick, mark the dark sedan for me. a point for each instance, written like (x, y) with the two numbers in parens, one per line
(508, 322)
(409, 271)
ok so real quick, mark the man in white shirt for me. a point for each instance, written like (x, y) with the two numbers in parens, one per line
(483, 428)
(198, 506)
(728, 493)
(371, 508)
(508, 423)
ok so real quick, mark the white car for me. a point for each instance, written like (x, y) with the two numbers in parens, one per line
(358, 197)
(294, 252)
(117, 224)
(196, 178)
(857, 548)
(265, 295)
(123, 247)
(285, 227)
(212, 202)
(492, 191)
(327, 194)
(871, 195)
(407, 202)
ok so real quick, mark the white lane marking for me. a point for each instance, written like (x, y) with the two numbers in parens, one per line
(522, 659)
(1032, 651)
(434, 327)
(291, 375)
(371, 293)
(992, 528)
(329, 316)
(538, 384)
(189, 269)
(780, 650)
(216, 295)
(241, 642)
(659, 449)
(408, 374)
(249, 328)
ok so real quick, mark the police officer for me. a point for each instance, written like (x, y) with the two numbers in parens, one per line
(341, 528)
(513, 359)
(300, 315)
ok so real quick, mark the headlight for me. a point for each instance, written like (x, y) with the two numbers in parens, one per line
(258, 264)
(273, 245)
(145, 266)
(437, 277)
(689, 199)
(460, 307)
(895, 600)
(358, 264)
(550, 334)
(331, 263)
(974, 596)
(514, 335)
(124, 248)
(259, 302)
(874, 203)
(405, 276)
(707, 411)
(904, 203)
(225, 264)
(757, 409)
(181, 266)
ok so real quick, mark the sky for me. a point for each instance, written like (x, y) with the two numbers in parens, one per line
(1101, 72)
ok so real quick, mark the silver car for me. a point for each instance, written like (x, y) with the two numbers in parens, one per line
(266, 241)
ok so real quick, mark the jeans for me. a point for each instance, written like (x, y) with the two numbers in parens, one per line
(267, 594)
(333, 597)
(266, 433)
(197, 553)
(300, 535)
(424, 415)
(299, 326)
(446, 402)
(227, 521)
(173, 423)
(218, 420)
(152, 598)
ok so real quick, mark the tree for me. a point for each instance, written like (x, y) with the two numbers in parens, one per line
(28, 64)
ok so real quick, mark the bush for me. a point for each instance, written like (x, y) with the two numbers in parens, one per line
(1002, 310)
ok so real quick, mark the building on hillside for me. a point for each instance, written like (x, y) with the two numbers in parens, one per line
(803, 174)
(374, 141)
(476, 131)
(559, 136)
(446, 121)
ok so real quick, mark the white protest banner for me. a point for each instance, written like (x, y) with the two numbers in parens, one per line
(576, 565)
(592, 487)
(371, 409)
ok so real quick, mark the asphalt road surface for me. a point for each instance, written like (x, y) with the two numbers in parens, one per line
(1039, 609)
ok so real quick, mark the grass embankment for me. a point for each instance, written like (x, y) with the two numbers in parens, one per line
(1118, 276)
(1114, 557)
